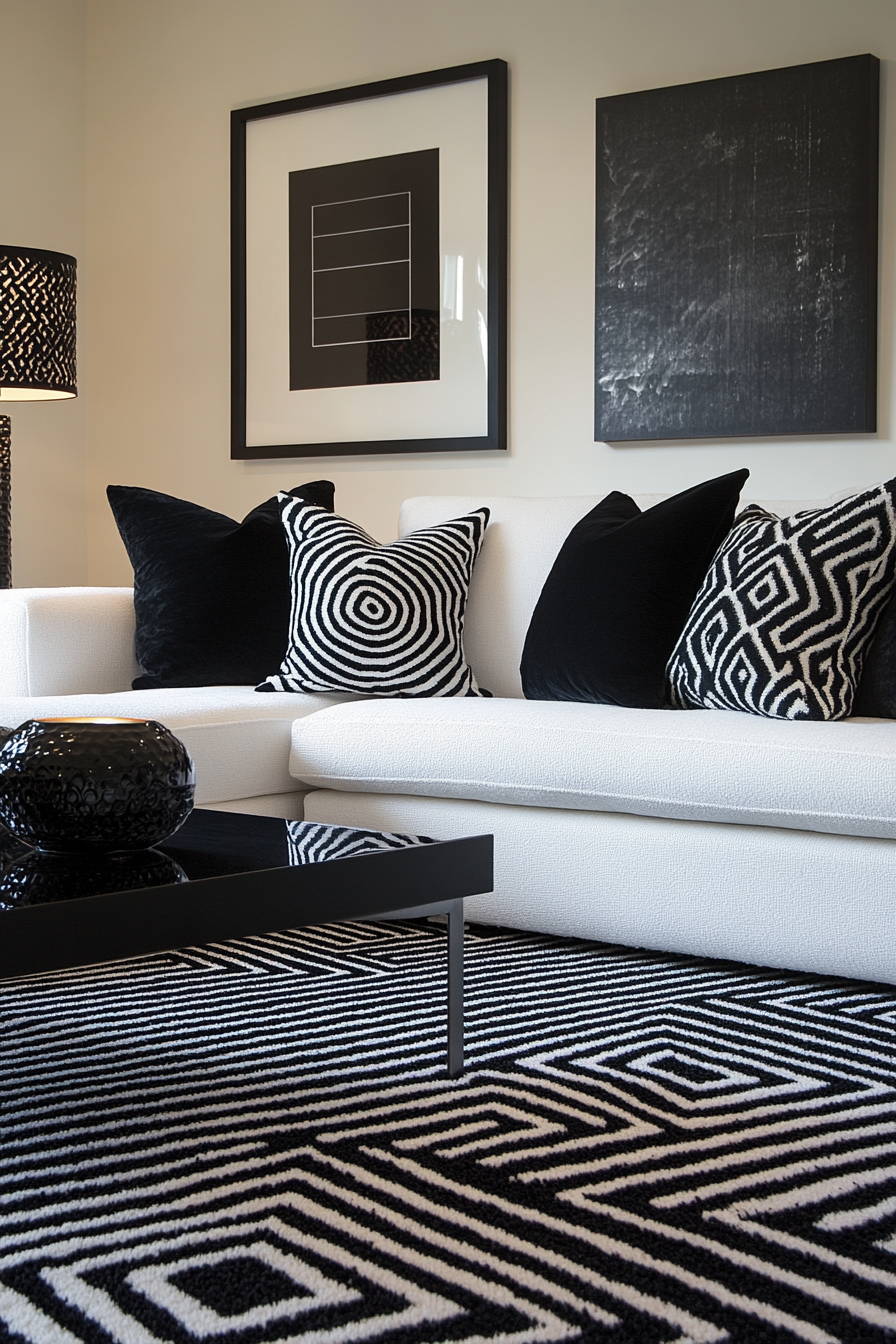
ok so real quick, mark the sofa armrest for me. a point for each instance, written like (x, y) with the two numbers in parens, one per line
(66, 641)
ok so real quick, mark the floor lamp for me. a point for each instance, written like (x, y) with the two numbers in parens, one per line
(37, 351)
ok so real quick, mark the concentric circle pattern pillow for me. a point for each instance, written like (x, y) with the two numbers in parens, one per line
(787, 610)
(378, 620)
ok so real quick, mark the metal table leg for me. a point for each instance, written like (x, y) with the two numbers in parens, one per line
(455, 989)
(455, 912)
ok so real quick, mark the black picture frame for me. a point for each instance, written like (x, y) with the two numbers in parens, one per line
(737, 256)
(471, 386)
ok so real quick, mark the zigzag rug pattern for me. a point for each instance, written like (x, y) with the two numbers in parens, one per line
(256, 1142)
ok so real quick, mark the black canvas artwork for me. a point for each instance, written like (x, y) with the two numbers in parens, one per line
(736, 261)
(364, 272)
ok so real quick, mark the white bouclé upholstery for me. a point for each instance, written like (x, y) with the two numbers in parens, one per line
(63, 641)
(809, 902)
(239, 739)
(706, 765)
(288, 805)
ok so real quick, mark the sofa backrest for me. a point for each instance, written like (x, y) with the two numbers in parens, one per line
(521, 543)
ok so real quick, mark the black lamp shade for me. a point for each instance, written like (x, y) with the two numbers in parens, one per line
(37, 324)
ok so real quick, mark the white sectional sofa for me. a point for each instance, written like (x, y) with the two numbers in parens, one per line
(705, 832)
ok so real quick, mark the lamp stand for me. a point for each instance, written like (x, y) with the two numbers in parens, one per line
(5, 502)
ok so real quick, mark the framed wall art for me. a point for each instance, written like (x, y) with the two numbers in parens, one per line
(369, 268)
(736, 258)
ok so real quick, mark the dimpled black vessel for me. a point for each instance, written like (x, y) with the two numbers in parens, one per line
(94, 785)
(36, 877)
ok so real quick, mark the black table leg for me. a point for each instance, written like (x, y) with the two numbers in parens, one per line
(455, 989)
(455, 913)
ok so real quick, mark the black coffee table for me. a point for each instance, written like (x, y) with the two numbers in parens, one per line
(227, 875)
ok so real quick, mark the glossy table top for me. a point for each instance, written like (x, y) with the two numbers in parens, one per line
(222, 875)
(208, 845)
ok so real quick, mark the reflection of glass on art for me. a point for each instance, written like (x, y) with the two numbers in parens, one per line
(364, 272)
(453, 300)
(453, 289)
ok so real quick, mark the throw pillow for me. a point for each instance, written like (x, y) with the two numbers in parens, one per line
(783, 619)
(211, 595)
(876, 694)
(619, 593)
(379, 620)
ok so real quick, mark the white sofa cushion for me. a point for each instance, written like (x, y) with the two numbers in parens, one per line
(707, 765)
(239, 740)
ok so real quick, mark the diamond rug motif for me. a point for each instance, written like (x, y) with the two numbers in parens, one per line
(256, 1141)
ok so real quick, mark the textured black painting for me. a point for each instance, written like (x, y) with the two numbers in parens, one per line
(364, 272)
(736, 275)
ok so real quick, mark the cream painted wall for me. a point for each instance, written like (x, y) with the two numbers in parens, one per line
(162, 79)
(42, 167)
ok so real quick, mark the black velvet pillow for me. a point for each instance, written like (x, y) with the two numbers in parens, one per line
(211, 595)
(875, 696)
(619, 594)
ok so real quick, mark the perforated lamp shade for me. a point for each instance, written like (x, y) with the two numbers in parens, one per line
(37, 349)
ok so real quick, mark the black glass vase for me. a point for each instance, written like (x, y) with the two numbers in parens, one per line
(94, 785)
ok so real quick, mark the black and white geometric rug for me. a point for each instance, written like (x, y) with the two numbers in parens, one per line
(257, 1142)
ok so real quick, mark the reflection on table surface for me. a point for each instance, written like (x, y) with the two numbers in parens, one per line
(209, 844)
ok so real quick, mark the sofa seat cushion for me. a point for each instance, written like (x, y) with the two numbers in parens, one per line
(706, 765)
(239, 741)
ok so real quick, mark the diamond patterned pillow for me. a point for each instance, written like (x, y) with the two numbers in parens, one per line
(786, 612)
(378, 620)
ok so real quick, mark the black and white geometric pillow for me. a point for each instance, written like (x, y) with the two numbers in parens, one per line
(378, 620)
(782, 621)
